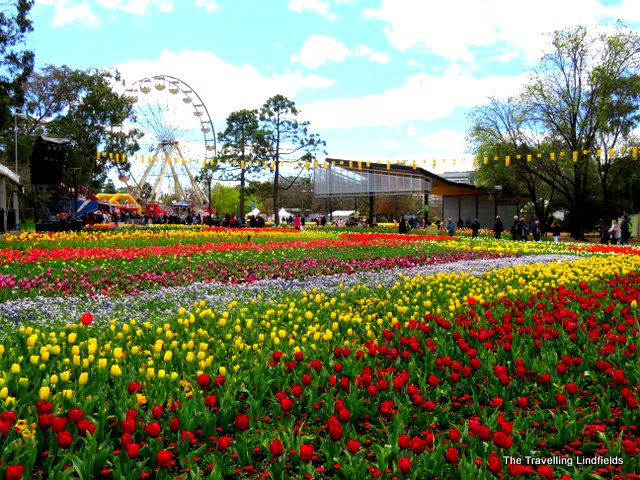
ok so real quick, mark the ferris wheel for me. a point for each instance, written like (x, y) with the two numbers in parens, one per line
(177, 139)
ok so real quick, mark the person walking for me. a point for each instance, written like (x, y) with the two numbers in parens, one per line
(625, 229)
(402, 226)
(475, 227)
(451, 228)
(514, 229)
(498, 228)
(555, 231)
(614, 232)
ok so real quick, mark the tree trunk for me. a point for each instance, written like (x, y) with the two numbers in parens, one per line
(242, 191)
(276, 192)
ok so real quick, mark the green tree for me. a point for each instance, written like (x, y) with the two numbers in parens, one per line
(83, 106)
(584, 90)
(286, 140)
(16, 64)
(242, 148)
(224, 199)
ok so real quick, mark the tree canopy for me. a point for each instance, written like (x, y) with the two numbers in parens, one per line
(582, 98)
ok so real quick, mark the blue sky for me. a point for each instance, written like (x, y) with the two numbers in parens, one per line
(378, 80)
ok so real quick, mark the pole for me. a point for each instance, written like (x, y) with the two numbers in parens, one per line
(15, 139)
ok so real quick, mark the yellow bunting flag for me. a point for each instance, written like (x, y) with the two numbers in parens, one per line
(388, 165)
(598, 152)
(507, 160)
(359, 165)
(634, 152)
(485, 160)
(528, 157)
(475, 162)
(98, 155)
(575, 156)
(611, 153)
(552, 156)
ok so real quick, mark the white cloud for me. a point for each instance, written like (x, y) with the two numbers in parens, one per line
(318, 6)
(454, 29)
(138, 7)
(422, 97)
(68, 14)
(208, 5)
(365, 51)
(319, 49)
(216, 81)
(411, 130)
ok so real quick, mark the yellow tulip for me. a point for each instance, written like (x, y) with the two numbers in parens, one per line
(44, 393)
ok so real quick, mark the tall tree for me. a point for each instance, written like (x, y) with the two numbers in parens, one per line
(585, 87)
(286, 139)
(242, 148)
(16, 64)
(84, 107)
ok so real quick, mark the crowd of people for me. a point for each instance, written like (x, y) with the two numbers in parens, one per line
(619, 232)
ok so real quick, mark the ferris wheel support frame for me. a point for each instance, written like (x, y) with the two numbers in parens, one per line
(176, 86)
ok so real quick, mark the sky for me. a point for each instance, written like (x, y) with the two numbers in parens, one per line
(378, 80)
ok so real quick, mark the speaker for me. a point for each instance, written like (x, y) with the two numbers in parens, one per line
(48, 160)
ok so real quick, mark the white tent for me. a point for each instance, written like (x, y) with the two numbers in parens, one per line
(282, 213)
(342, 214)
(253, 212)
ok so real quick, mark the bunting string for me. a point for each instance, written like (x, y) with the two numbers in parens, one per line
(608, 154)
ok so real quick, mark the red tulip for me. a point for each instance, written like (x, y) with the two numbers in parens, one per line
(128, 426)
(418, 445)
(276, 447)
(242, 422)
(86, 318)
(14, 472)
(306, 452)
(85, 426)
(45, 420)
(545, 471)
(344, 415)
(454, 435)
(452, 455)
(64, 439)
(404, 441)
(502, 440)
(335, 433)
(286, 404)
(153, 429)
(353, 446)
(210, 401)
(59, 424)
(75, 415)
(224, 443)
(494, 464)
(9, 416)
(134, 387)
(156, 411)
(164, 458)
(204, 380)
(174, 424)
(43, 407)
(630, 447)
(133, 450)
(404, 465)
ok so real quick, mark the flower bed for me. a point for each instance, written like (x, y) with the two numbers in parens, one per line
(407, 369)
